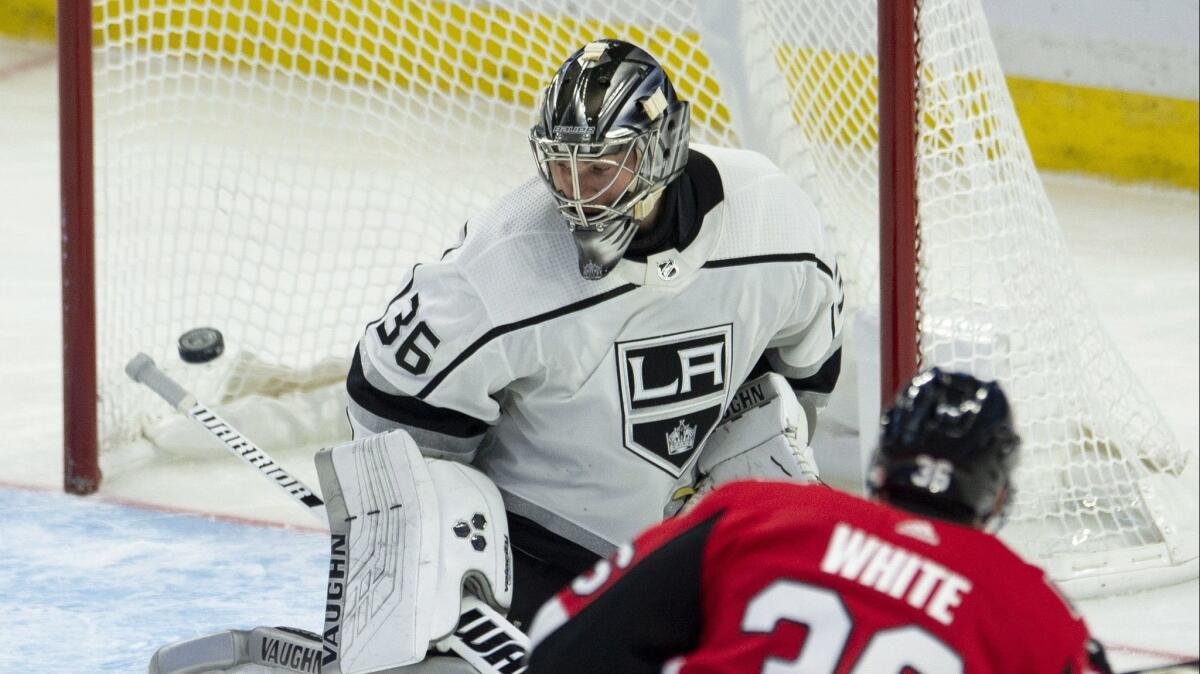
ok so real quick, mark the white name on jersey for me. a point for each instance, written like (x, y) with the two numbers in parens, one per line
(897, 572)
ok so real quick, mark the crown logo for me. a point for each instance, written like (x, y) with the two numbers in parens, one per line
(592, 271)
(682, 439)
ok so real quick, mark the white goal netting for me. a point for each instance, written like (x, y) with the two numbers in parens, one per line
(274, 168)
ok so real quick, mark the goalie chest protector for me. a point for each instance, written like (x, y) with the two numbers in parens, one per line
(598, 394)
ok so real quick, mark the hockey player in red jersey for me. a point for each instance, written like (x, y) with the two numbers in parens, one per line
(781, 577)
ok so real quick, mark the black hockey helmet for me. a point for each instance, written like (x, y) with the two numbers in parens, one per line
(609, 104)
(947, 450)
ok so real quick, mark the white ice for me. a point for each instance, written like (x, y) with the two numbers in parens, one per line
(95, 584)
(97, 587)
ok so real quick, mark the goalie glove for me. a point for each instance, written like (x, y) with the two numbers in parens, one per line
(409, 535)
(764, 435)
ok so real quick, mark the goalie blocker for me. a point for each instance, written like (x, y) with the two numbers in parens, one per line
(419, 562)
(408, 535)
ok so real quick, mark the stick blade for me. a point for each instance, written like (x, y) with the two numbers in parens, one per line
(138, 366)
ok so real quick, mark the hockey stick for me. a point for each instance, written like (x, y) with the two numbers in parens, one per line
(484, 638)
(143, 370)
(1177, 668)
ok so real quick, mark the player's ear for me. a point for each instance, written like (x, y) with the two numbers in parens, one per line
(993, 521)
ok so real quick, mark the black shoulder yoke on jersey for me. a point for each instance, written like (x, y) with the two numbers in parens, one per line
(686, 201)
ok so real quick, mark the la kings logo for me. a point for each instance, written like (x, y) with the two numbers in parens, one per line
(672, 391)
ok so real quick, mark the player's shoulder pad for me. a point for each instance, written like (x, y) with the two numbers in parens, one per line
(455, 297)
(434, 319)
(755, 495)
(1008, 577)
(516, 262)
(766, 211)
(737, 166)
(519, 258)
(742, 170)
(526, 210)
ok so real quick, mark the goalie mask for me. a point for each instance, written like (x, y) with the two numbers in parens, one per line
(611, 136)
(948, 449)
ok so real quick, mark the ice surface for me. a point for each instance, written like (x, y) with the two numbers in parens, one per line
(89, 586)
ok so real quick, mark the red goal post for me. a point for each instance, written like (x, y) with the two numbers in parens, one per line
(897, 64)
(81, 455)
(899, 358)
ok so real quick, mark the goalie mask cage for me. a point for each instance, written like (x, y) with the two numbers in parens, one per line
(273, 168)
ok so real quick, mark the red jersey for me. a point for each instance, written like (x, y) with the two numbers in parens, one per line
(780, 577)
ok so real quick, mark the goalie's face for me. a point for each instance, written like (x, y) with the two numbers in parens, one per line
(597, 189)
(593, 183)
(594, 187)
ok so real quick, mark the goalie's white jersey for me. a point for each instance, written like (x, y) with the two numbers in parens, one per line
(587, 401)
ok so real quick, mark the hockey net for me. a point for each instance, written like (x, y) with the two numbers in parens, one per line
(273, 169)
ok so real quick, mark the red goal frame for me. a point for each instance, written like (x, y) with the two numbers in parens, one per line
(81, 456)
(898, 101)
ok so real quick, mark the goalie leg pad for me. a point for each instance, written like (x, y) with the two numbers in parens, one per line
(269, 650)
(215, 652)
(262, 649)
(764, 436)
(407, 534)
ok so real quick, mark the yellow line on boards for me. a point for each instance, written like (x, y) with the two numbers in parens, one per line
(1118, 134)
(28, 19)
(454, 47)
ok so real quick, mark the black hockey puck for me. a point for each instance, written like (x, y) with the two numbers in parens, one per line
(200, 345)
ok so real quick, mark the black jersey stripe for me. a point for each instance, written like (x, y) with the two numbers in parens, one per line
(500, 330)
(824, 379)
(766, 259)
(407, 410)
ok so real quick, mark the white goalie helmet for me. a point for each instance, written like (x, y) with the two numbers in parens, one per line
(611, 136)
